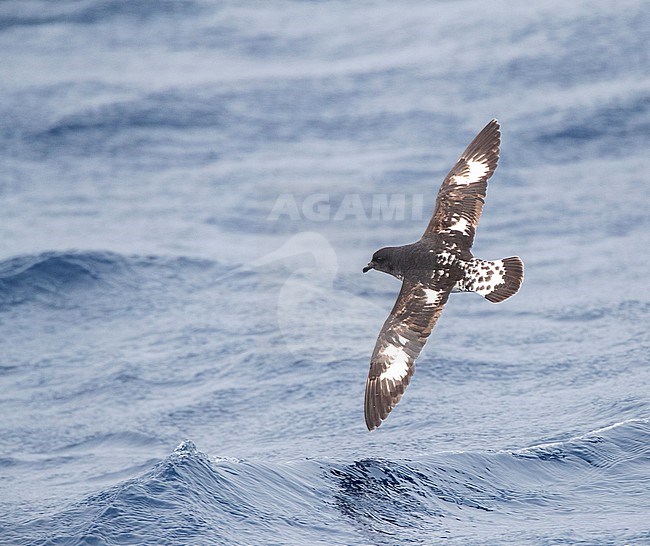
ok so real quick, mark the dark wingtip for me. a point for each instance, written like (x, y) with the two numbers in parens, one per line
(380, 399)
(492, 125)
(370, 407)
(486, 144)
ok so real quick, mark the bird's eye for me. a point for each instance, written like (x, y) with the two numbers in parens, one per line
(379, 259)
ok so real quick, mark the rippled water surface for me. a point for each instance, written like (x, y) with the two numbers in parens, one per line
(189, 191)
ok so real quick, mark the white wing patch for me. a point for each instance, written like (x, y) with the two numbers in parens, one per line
(461, 225)
(476, 171)
(398, 368)
(433, 296)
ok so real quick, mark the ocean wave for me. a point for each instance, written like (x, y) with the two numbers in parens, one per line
(55, 278)
(190, 496)
(44, 275)
(607, 129)
(92, 12)
(626, 310)
(214, 118)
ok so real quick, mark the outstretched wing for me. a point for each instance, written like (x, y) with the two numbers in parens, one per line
(460, 200)
(399, 343)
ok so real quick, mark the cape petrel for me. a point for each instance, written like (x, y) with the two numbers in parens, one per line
(433, 267)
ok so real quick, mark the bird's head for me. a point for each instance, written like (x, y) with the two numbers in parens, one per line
(385, 259)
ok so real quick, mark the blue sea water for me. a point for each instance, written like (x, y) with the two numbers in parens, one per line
(188, 192)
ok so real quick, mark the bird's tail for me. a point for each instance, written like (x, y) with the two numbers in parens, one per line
(495, 281)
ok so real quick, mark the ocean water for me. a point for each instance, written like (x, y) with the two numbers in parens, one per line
(188, 193)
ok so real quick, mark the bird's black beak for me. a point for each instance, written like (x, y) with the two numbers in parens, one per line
(370, 266)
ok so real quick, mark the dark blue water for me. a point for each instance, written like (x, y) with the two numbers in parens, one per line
(188, 193)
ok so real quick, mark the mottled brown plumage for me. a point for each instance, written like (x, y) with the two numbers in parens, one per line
(439, 263)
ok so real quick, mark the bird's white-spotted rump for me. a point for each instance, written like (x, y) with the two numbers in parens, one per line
(430, 269)
(494, 280)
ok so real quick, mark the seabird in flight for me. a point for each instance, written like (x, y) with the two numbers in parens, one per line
(430, 269)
